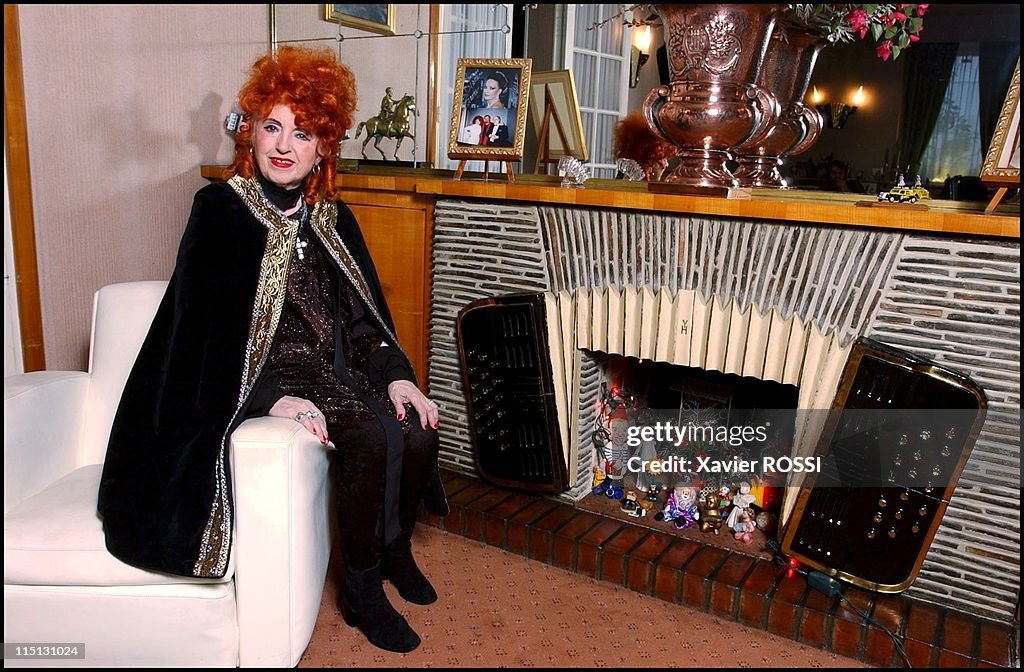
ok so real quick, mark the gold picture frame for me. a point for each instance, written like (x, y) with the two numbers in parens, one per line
(553, 96)
(1002, 162)
(372, 18)
(490, 87)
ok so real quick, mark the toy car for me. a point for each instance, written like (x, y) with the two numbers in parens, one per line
(903, 195)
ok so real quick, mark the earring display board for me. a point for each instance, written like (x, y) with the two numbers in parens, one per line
(508, 383)
(894, 445)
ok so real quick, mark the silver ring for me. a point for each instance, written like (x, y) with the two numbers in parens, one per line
(432, 403)
(306, 414)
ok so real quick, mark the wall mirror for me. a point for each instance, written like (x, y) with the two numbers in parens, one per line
(979, 44)
(410, 61)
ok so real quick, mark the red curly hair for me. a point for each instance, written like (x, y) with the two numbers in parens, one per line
(635, 140)
(321, 93)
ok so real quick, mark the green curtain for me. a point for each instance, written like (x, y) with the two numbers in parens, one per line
(996, 61)
(926, 76)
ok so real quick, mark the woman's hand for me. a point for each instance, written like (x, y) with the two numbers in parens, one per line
(304, 412)
(404, 392)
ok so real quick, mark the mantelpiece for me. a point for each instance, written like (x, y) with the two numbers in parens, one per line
(943, 217)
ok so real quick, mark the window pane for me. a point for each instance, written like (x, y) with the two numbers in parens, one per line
(611, 72)
(955, 145)
(586, 16)
(611, 32)
(585, 74)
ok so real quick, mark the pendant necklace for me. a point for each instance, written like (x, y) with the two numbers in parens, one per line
(300, 244)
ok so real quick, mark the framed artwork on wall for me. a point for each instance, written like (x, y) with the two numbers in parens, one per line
(489, 109)
(372, 18)
(1002, 161)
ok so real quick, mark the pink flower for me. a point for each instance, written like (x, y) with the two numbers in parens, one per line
(884, 50)
(921, 9)
(899, 8)
(899, 16)
(858, 18)
(914, 37)
(890, 19)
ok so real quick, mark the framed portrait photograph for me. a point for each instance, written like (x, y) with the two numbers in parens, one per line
(555, 116)
(372, 18)
(1002, 161)
(489, 109)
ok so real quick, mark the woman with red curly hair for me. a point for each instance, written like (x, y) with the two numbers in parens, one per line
(274, 308)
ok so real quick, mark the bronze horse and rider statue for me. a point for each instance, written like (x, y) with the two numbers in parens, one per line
(389, 123)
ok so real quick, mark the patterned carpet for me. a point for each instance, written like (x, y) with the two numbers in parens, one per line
(497, 609)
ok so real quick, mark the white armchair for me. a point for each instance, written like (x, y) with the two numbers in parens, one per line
(61, 585)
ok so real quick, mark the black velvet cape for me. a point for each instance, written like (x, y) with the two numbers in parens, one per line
(165, 492)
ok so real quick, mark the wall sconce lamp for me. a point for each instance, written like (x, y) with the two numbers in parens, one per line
(638, 54)
(836, 114)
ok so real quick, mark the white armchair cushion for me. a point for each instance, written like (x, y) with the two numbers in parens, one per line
(43, 419)
(187, 625)
(55, 538)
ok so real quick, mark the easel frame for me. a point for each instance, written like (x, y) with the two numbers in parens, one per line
(1002, 161)
(554, 98)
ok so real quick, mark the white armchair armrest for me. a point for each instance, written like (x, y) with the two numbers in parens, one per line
(283, 537)
(43, 415)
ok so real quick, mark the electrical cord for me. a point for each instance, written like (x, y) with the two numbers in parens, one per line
(831, 587)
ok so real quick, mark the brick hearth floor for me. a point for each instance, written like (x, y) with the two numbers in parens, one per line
(708, 578)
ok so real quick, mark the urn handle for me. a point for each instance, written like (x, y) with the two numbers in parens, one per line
(810, 123)
(652, 104)
(766, 113)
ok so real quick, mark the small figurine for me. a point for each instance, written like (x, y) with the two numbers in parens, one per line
(725, 492)
(740, 501)
(631, 505)
(710, 518)
(653, 492)
(743, 525)
(766, 522)
(900, 182)
(598, 478)
(680, 508)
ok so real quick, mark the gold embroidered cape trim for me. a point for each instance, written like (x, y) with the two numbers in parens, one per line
(267, 306)
(323, 223)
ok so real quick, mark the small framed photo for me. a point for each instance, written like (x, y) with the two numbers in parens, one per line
(554, 109)
(1002, 162)
(489, 109)
(372, 18)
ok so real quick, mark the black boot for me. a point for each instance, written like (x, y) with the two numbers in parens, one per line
(399, 567)
(365, 606)
(434, 499)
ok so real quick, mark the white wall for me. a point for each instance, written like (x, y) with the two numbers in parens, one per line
(123, 104)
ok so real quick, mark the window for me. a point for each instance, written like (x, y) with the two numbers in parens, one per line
(955, 145)
(599, 59)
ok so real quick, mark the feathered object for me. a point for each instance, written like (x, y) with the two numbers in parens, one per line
(635, 140)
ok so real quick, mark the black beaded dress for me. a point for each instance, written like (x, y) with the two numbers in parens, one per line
(329, 350)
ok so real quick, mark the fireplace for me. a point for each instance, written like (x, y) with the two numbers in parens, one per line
(766, 300)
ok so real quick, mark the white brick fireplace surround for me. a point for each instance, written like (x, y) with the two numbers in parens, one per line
(952, 299)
